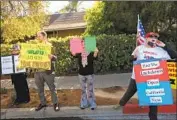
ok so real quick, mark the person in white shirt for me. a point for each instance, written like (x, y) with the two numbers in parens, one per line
(153, 48)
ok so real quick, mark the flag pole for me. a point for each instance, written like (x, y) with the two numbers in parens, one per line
(137, 31)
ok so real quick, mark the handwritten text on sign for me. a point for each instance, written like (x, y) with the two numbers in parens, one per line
(172, 71)
(35, 56)
(153, 82)
(6, 65)
(147, 69)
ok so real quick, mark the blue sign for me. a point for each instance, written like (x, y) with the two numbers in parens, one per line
(154, 92)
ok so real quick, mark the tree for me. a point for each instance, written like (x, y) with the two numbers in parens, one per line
(71, 7)
(121, 17)
(95, 20)
(21, 19)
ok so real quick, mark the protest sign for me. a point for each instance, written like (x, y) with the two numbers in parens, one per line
(6, 65)
(35, 56)
(172, 71)
(76, 45)
(16, 62)
(90, 43)
(152, 80)
(9, 65)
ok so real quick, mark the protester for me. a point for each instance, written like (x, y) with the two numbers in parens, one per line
(47, 76)
(86, 77)
(20, 83)
(152, 49)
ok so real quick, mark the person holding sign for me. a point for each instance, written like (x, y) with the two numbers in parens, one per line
(86, 76)
(20, 83)
(152, 49)
(47, 76)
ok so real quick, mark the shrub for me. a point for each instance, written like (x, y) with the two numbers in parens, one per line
(114, 54)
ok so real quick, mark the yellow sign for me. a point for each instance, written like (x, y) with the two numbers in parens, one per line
(35, 56)
(172, 71)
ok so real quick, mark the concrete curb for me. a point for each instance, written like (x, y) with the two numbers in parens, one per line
(101, 113)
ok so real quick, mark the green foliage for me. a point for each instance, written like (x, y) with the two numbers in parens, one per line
(114, 53)
(17, 26)
(65, 62)
(6, 49)
(95, 20)
(119, 17)
(71, 7)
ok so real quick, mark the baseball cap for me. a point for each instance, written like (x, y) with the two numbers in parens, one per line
(152, 35)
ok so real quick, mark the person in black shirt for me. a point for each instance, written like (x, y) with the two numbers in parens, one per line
(86, 76)
(20, 83)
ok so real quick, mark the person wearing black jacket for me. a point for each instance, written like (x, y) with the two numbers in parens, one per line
(19, 81)
(152, 49)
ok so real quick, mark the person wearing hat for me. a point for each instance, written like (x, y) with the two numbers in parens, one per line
(153, 48)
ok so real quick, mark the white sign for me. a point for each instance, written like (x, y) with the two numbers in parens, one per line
(16, 61)
(155, 92)
(156, 99)
(152, 72)
(150, 65)
(6, 65)
(153, 82)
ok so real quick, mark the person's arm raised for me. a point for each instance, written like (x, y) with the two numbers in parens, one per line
(96, 53)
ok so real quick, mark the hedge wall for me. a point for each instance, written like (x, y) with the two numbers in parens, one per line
(114, 54)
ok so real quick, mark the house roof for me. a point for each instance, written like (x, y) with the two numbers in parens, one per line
(65, 21)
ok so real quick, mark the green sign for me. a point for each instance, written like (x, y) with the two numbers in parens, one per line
(90, 43)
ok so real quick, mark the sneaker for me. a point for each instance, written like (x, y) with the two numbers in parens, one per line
(56, 107)
(40, 107)
(92, 108)
(117, 107)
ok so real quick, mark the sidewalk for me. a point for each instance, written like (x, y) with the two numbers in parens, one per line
(101, 113)
(72, 82)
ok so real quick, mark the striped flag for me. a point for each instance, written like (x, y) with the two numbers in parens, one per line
(140, 40)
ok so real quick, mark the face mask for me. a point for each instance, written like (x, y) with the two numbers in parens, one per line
(151, 44)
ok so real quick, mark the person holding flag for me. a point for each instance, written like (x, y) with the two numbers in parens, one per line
(148, 47)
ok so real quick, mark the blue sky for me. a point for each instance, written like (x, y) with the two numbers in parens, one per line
(58, 5)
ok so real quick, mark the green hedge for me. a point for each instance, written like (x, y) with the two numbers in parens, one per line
(114, 54)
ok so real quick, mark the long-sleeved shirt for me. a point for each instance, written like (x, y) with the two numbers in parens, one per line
(88, 69)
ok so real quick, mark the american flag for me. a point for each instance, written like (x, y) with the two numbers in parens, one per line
(140, 33)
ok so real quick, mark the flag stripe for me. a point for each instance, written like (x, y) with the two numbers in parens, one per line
(140, 33)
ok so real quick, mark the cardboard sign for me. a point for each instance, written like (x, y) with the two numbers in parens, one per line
(150, 69)
(172, 71)
(90, 43)
(9, 65)
(154, 93)
(76, 45)
(153, 85)
(6, 65)
(16, 62)
(35, 56)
